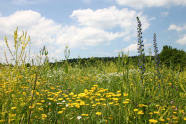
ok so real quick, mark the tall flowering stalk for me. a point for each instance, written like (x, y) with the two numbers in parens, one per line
(141, 56)
(157, 59)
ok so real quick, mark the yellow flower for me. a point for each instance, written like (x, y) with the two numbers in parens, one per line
(126, 102)
(84, 115)
(156, 112)
(40, 109)
(168, 119)
(111, 103)
(39, 103)
(43, 115)
(110, 118)
(52, 88)
(125, 94)
(161, 119)
(102, 99)
(50, 98)
(140, 112)
(60, 99)
(59, 112)
(71, 94)
(12, 115)
(30, 107)
(153, 121)
(13, 108)
(98, 113)
(115, 99)
(141, 105)
(150, 113)
(135, 110)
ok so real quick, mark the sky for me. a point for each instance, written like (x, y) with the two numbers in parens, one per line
(92, 28)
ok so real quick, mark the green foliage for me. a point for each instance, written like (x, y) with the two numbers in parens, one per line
(173, 57)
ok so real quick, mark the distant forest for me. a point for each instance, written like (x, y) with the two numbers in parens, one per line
(169, 57)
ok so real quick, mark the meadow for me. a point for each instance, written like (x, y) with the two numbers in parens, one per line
(113, 93)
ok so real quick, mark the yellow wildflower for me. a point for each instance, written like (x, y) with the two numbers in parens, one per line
(13, 108)
(125, 94)
(43, 115)
(59, 112)
(161, 119)
(156, 112)
(98, 113)
(135, 110)
(84, 115)
(153, 121)
(140, 112)
(39, 103)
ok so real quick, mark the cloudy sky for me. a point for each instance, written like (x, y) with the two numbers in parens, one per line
(99, 28)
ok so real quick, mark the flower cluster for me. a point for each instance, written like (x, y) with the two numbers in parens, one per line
(141, 56)
(157, 60)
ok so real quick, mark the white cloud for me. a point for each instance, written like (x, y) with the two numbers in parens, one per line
(164, 13)
(139, 4)
(133, 48)
(108, 18)
(39, 28)
(182, 40)
(177, 28)
(42, 30)
(90, 36)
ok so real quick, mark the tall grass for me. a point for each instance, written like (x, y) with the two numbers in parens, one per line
(105, 93)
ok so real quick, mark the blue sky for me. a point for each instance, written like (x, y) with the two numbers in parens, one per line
(99, 28)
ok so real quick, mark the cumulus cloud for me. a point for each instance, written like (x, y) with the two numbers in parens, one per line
(180, 29)
(109, 18)
(42, 30)
(86, 36)
(139, 4)
(133, 48)
(177, 28)
(39, 28)
(182, 40)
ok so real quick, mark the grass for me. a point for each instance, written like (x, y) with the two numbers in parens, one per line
(106, 93)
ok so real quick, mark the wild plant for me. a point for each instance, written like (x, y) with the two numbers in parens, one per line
(156, 55)
(18, 53)
(141, 56)
(67, 54)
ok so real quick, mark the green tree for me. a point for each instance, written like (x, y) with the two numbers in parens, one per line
(173, 57)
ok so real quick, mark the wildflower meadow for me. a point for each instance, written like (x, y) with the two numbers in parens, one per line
(112, 92)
